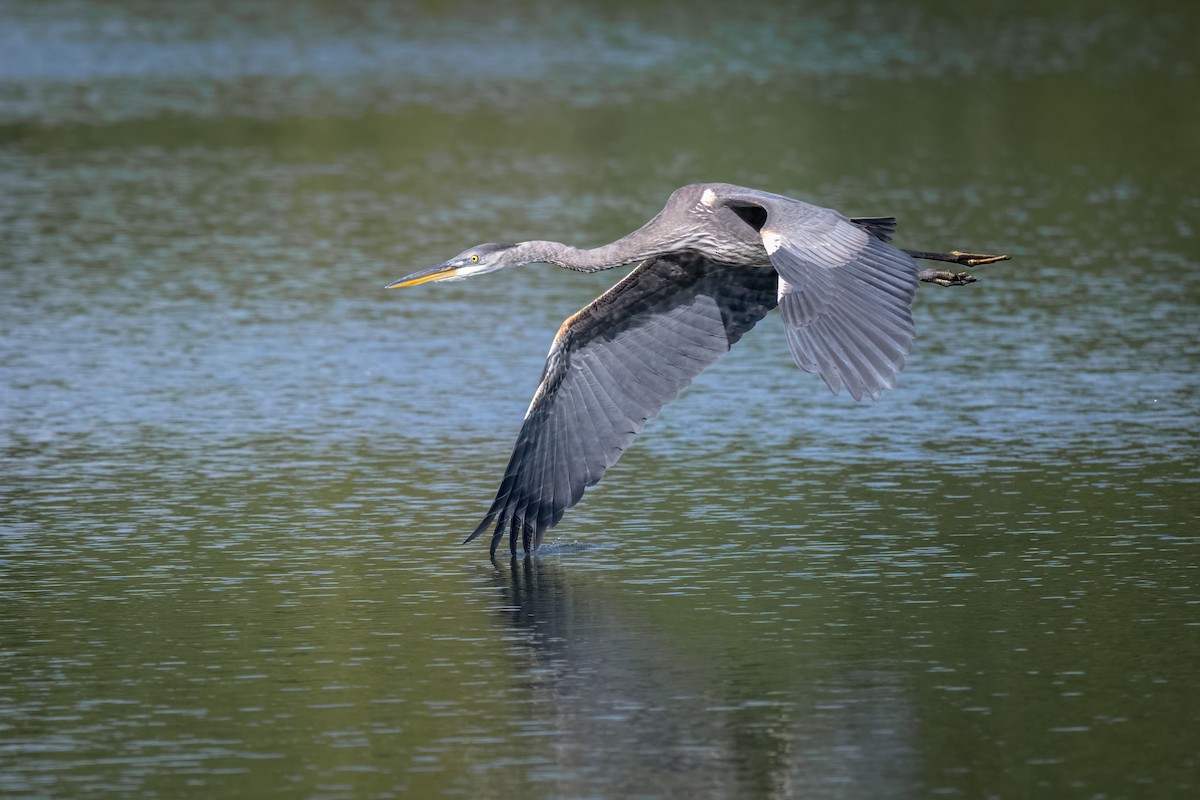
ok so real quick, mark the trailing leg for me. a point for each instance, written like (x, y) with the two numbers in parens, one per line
(943, 277)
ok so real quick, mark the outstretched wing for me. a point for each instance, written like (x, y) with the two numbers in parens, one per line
(611, 368)
(845, 294)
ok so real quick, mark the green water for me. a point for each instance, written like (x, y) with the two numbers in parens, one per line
(234, 472)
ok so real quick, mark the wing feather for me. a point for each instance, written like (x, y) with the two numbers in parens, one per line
(613, 366)
(563, 492)
(544, 502)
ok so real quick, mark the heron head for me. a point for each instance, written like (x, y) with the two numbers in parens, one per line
(473, 261)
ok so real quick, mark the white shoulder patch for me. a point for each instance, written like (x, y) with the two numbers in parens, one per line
(708, 198)
(771, 241)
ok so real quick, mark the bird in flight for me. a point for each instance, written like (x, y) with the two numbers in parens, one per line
(710, 265)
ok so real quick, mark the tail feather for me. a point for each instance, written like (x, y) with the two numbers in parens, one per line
(882, 228)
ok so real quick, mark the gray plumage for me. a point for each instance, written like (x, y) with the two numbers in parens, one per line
(710, 265)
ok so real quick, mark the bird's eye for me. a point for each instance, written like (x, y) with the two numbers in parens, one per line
(474, 259)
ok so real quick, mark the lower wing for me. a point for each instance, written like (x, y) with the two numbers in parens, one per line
(611, 368)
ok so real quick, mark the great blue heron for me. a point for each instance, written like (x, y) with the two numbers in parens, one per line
(710, 265)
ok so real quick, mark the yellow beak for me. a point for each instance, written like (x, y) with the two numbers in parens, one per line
(438, 273)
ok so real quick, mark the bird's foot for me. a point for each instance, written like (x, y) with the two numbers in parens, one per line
(975, 259)
(944, 277)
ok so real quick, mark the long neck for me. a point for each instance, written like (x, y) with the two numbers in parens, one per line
(626, 250)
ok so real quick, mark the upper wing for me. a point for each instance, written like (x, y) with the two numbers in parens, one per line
(845, 295)
(611, 368)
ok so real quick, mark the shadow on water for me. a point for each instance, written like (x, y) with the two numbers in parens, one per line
(635, 709)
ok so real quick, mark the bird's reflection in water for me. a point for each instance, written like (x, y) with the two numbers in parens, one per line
(622, 706)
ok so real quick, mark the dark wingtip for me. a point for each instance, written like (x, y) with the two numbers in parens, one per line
(479, 529)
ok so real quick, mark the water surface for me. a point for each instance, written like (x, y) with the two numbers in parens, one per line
(235, 472)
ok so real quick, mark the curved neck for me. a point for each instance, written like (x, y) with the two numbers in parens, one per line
(637, 246)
